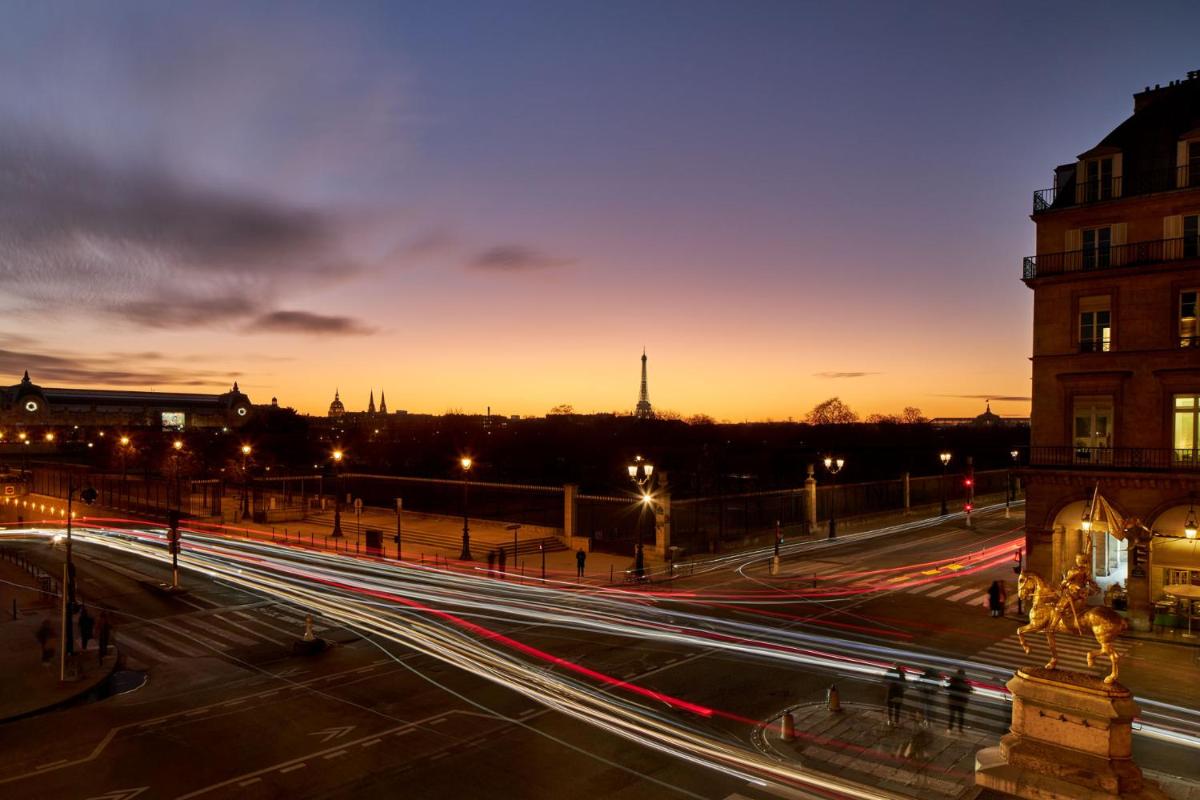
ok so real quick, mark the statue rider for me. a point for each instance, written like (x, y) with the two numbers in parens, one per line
(1077, 585)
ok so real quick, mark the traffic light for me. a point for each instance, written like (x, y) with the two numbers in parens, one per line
(967, 507)
(968, 482)
(88, 494)
(1017, 561)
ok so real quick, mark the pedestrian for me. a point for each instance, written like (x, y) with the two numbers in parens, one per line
(86, 625)
(957, 690)
(917, 750)
(993, 599)
(103, 632)
(45, 636)
(580, 558)
(639, 562)
(928, 684)
(500, 561)
(491, 561)
(894, 694)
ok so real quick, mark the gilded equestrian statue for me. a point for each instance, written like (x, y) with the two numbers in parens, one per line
(1066, 611)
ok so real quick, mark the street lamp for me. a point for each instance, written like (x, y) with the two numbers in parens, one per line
(641, 472)
(465, 462)
(246, 450)
(177, 446)
(834, 466)
(945, 459)
(1189, 527)
(337, 456)
(87, 495)
(1008, 497)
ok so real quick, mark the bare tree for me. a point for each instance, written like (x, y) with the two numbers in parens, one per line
(831, 412)
(561, 410)
(912, 415)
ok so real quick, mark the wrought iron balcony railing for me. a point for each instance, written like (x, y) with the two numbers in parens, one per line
(1127, 458)
(1078, 193)
(1110, 257)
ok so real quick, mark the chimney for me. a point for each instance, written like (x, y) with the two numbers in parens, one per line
(1147, 97)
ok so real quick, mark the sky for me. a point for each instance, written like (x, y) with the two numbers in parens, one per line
(472, 205)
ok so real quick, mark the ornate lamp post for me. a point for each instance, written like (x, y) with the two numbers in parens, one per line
(834, 466)
(945, 459)
(465, 462)
(640, 472)
(177, 447)
(337, 456)
(246, 451)
(1009, 496)
(87, 495)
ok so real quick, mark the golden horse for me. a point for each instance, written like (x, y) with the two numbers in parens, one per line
(1103, 623)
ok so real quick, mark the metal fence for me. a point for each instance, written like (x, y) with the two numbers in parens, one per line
(527, 504)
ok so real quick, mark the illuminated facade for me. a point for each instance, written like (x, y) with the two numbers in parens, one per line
(27, 404)
(1116, 369)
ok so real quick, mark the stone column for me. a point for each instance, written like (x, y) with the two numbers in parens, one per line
(662, 515)
(904, 478)
(810, 502)
(1137, 587)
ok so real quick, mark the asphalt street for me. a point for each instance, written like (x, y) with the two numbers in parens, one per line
(227, 710)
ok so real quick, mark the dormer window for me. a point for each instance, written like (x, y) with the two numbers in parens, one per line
(1098, 179)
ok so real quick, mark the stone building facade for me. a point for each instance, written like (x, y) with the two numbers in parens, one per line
(1116, 362)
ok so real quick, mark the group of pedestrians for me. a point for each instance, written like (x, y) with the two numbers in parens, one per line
(997, 598)
(99, 628)
(929, 683)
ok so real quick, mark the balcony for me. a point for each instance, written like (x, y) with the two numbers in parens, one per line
(1074, 194)
(1116, 256)
(1116, 458)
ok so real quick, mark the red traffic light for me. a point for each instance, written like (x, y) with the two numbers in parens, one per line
(967, 507)
(968, 481)
(1017, 555)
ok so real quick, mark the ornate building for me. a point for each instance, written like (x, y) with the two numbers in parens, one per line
(28, 404)
(1113, 462)
(643, 410)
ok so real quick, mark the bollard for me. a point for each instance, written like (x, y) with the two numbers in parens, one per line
(834, 699)
(309, 636)
(787, 727)
(774, 565)
(610, 574)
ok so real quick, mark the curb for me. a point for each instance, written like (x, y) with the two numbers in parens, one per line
(84, 689)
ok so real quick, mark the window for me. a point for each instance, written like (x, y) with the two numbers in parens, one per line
(1188, 335)
(1186, 408)
(1191, 236)
(1193, 163)
(1095, 325)
(1098, 177)
(1097, 247)
(1093, 429)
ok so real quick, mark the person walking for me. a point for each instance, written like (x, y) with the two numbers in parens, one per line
(639, 562)
(491, 562)
(103, 632)
(957, 691)
(45, 637)
(87, 624)
(580, 558)
(928, 684)
(500, 558)
(993, 599)
(894, 694)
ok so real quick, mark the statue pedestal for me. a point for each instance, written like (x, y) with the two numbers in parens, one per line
(1071, 739)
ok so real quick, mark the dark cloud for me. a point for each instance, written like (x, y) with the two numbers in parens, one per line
(111, 369)
(516, 258)
(1000, 398)
(139, 245)
(307, 322)
(843, 374)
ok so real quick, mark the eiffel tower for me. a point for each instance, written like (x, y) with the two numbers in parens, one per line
(643, 410)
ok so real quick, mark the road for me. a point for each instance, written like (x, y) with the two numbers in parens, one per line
(446, 681)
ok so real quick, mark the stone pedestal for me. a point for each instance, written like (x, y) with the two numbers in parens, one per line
(1070, 739)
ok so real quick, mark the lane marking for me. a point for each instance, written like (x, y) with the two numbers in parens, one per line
(334, 755)
(250, 781)
(293, 767)
(957, 596)
(372, 743)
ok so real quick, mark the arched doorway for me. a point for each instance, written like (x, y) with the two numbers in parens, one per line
(1174, 558)
(1110, 550)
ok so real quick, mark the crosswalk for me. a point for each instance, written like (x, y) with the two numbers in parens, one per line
(1072, 652)
(970, 589)
(213, 632)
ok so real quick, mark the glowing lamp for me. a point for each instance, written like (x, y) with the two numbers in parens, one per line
(466, 462)
(1189, 527)
(245, 449)
(945, 457)
(337, 455)
(124, 441)
(1086, 525)
(649, 468)
(646, 499)
(177, 444)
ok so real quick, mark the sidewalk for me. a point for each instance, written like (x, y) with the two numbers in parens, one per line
(857, 744)
(29, 686)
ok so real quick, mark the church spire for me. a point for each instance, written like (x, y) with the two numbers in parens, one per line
(371, 404)
(382, 402)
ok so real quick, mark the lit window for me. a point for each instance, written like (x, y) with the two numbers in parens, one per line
(1186, 408)
(1095, 325)
(1188, 335)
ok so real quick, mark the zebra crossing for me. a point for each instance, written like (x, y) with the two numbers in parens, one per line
(1072, 652)
(213, 632)
(970, 589)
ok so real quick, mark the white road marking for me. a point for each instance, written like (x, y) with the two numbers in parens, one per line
(957, 596)
(943, 590)
(372, 743)
(334, 754)
(293, 767)
(249, 782)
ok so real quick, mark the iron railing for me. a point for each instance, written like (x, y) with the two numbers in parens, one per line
(1129, 458)
(1074, 193)
(1115, 256)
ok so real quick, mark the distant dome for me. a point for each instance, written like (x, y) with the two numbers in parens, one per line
(336, 409)
(987, 417)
